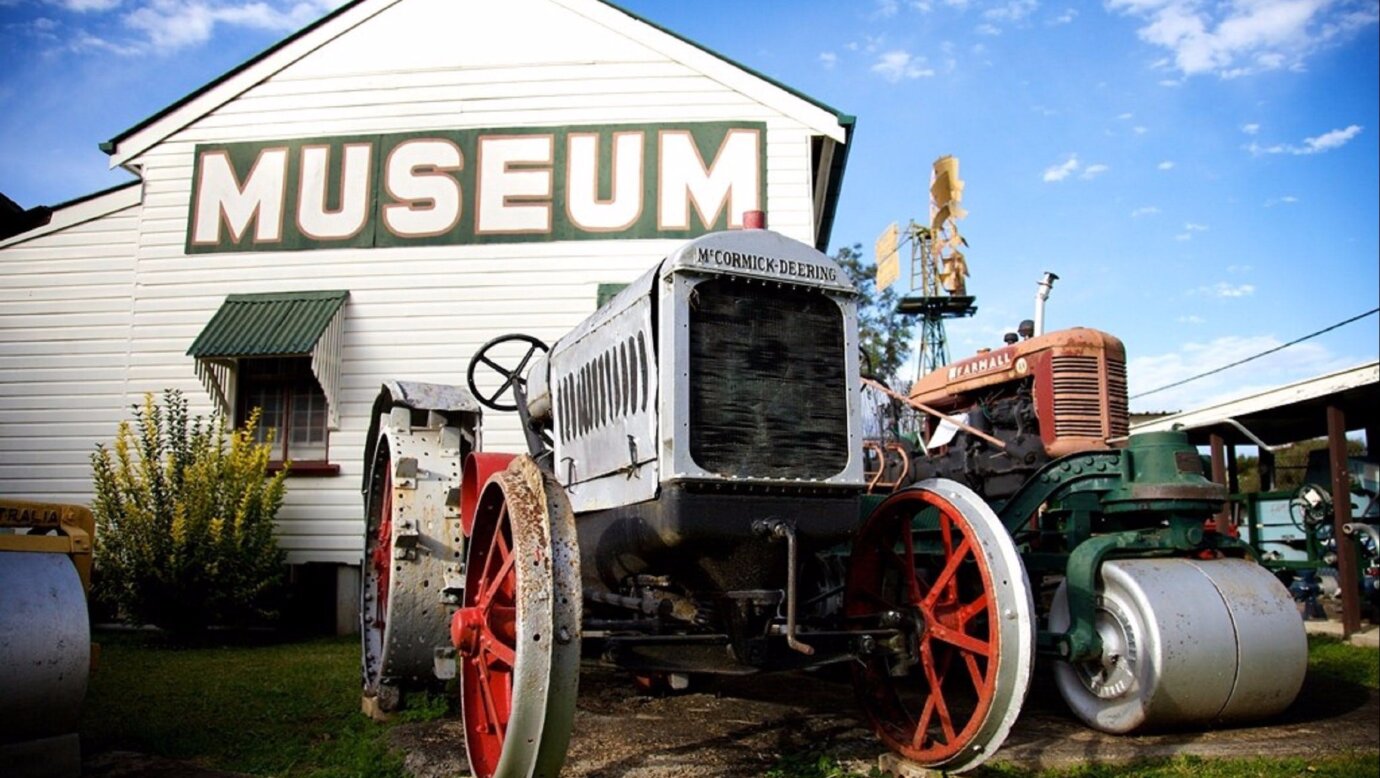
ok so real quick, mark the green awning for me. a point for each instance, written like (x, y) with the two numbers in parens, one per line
(277, 324)
(268, 325)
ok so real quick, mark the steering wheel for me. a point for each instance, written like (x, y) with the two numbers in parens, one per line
(511, 377)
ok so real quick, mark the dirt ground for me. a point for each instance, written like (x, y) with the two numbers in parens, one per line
(741, 727)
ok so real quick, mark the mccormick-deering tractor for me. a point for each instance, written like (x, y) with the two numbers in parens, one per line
(694, 500)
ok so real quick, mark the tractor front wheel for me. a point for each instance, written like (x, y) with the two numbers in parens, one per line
(517, 633)
(937, 578)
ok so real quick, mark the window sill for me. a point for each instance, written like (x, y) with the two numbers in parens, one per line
(306, 469)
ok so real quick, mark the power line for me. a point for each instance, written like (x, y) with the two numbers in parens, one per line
(1257, 356)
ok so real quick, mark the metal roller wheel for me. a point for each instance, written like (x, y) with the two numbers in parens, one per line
(518, 632)
(1185, 642)
(410, 577)
(935, 563)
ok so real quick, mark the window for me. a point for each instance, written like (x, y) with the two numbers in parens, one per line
(280, 352)
(293, 407)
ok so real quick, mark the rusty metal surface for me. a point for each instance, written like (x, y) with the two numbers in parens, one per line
(548, 604)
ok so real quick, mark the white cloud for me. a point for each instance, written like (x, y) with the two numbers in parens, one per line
(1191, 319)
(1295, 363)
(1285, 200)
(1066, 17)
(1165, 165)
(987, 29)
(1140, 130)
(1061, 171)
(1247, 36)
(1126, 116)
(886, 9)
(1326, 142)
(1011, 12)
(1240, 268)
(1093, 171)
(1191, 227)
(1184, 236)
(1144, 210)
(828, 59)
(82, 6)
(1250, 129)
(168, 25)
(1224, 290)
(897, 65)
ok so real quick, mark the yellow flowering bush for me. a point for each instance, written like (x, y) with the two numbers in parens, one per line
(184, 520)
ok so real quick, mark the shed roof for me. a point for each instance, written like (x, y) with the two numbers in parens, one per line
(271, 324)
(1285, 414)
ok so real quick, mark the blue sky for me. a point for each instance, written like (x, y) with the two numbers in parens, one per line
(1203, 176)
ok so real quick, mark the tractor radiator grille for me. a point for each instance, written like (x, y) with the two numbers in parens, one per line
(768, 395)
(1078, 400)
(1117, 407)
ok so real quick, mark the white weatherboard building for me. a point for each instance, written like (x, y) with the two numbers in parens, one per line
(421, 176)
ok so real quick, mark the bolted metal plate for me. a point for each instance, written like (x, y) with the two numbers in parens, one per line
(426, 549)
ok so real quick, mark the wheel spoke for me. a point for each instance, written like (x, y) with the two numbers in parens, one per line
(974, 672)
(967, 612)
(937, 693)
(490, 595)
(909, 564)
(491, 706)
(946, 577)
(496, 544)
(494, 646)
(956, 638)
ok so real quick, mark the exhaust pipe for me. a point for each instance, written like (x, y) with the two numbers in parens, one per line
(1042, 294)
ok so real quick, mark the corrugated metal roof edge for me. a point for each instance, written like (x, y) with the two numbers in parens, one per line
(207, 343)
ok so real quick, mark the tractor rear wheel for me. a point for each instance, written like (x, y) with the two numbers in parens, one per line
(518, 631)
(935, 572)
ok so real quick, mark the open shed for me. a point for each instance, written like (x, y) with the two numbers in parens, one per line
(1328, 406)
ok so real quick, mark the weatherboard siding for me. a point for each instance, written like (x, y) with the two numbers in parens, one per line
(419, 313)
(65, 320)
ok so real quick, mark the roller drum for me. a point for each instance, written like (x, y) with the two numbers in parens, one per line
(1185, 642)
(45, 645)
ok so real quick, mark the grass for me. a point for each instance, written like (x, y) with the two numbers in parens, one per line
(281, 710)
(1327, 657)
(292, 709)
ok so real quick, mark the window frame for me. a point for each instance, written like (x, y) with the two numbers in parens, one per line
(289, 374)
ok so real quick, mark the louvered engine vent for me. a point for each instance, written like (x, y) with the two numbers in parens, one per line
(1078, 400)
(768, 395)
(1117, 406)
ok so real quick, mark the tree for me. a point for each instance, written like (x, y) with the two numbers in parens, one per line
(883, 334)
(184, 520)
(1291, 465)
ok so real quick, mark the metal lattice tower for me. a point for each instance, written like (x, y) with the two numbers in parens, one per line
(930, 301)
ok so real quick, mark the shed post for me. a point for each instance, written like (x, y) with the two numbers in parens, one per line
(1341, 514)
(1219, 476)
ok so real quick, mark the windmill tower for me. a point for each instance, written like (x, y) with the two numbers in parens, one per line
(938, 266)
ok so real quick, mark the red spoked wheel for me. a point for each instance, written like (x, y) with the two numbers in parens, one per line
(376, 586)
(935, 572)
(518, 631)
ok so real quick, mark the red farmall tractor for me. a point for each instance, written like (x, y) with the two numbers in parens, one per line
(694, 499)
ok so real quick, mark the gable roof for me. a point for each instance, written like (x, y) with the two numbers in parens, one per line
(81, 209)
(137, 139)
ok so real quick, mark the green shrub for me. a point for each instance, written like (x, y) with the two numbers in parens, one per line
(184, 520)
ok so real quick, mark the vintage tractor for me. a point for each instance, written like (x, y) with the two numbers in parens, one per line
(693, 500)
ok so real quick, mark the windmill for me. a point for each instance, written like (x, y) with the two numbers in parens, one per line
(938, 265)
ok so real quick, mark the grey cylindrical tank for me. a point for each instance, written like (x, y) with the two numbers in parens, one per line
(45, 645)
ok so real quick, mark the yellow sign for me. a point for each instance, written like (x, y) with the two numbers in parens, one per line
(888, 257)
